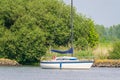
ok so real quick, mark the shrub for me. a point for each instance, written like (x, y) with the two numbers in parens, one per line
(84, 54)
(115, 53)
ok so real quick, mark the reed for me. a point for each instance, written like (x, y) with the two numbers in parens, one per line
(102, 51)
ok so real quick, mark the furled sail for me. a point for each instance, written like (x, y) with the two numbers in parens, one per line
(69, 51)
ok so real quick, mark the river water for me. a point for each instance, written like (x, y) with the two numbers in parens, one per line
(36, 73)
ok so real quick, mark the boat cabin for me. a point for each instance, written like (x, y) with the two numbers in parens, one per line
(66, 58)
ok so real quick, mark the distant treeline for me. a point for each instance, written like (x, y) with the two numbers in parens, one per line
(108, 34)
(29, 27)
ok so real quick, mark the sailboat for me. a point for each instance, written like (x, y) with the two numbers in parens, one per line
(66, 62)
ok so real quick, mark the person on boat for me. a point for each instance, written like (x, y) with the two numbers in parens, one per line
(54, 57)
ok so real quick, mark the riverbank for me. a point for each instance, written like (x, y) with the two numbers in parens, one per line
(8, 62)
(97, 63)
(106, 63)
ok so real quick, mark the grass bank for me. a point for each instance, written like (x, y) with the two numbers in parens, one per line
(8, 62)
(106, 63)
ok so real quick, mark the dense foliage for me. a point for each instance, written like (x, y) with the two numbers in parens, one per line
(115, 54)
(29, 27)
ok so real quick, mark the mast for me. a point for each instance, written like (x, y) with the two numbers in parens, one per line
(71, 23)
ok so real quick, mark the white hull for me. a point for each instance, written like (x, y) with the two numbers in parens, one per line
(66, 65)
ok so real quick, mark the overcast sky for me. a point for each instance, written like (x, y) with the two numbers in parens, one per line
(103, 12)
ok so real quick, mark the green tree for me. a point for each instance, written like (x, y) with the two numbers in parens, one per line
(29, 27)
(102, 32)
(84, 29)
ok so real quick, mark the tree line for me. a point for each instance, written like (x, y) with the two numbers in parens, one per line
(108, 34)
(29, 27)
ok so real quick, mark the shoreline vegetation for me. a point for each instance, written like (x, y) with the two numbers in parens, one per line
(100, 53)
(97, 63)
(106, 63)
(8, 62)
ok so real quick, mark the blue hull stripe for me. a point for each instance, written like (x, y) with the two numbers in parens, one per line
(66, 62)
(60, 65)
